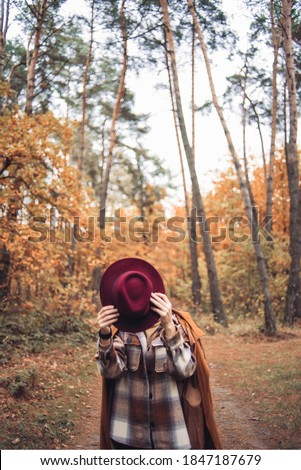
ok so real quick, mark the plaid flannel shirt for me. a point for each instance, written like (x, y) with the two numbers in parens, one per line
(146, 410)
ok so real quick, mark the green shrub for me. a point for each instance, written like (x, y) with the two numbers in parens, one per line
(22, 383)
(32, 332)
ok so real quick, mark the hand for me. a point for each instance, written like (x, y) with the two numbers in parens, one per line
(164, 310)
(106, 317)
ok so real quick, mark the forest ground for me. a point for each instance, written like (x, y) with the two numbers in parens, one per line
(51, 399)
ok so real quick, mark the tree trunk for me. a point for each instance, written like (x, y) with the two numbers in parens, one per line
(244, 128)
(190, 216)
(14, 204)
(285, 117)
(4, 271)
(81, 155)
(196, 281)
(32, 59)
(103, 147)
(9, 80)
(3, 32)
(121, 89)
(292, 308)
(217, 304)
(270, 324)
(140, 186)
(253, 106)
(71, 257)
(270, 181)
(96, 277)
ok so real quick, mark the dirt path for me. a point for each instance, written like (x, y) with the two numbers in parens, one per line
(238, 425)
(87, 427)
(237, 422)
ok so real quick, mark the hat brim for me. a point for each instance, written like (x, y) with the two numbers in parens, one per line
(106, 288)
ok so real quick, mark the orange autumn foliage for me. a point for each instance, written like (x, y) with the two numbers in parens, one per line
(41, 196)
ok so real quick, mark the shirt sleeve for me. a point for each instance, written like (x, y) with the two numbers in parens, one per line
(111, 358)
(181, 363)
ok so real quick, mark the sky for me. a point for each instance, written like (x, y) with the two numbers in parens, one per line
(212, 153)
(211, 147)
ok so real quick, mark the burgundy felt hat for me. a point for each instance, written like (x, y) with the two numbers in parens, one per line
(127, 284)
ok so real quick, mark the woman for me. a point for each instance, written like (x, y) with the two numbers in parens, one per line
(149, 357)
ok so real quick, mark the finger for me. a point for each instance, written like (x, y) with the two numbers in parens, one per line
(161, 305)
(108, 317)
(108, 307)
(101, 321)
(108, 312)
(108, 323)
(156, 294)
(157, 300)
(158, 310)
(105, 312)
(163, 297)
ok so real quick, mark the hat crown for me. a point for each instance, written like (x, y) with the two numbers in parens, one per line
(127, 284)
(131, 293)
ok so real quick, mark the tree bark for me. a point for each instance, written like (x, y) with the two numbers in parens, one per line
(14, 205)
(285, 117)
(121, 89)
(9, 80)
(196, 281)
(71, 255)
(292, 308)
(4, 271)
(253, 106)
(32, 59)
(244, 128)
(3, 32)
(96, 277)
(216, 299)
(276, 38)
(270, 324)
(191, 227)
(81, 155)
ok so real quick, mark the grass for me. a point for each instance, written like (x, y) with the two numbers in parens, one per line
(35, 332)
(280, 395)
(27, 428)
(265, 373)
(43, 417)
(46, 368)
(20, 384)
